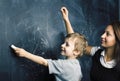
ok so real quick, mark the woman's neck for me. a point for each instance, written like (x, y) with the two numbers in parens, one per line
(109, 54)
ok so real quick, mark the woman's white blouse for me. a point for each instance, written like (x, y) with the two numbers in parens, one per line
(108, 64)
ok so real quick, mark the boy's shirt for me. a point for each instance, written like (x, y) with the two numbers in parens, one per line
(65, 70)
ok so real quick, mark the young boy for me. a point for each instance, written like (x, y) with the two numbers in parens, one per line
(64, 70)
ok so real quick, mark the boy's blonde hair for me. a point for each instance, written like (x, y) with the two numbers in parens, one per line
(80, 42)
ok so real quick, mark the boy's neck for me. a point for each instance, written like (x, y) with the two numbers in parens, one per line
(70, 57)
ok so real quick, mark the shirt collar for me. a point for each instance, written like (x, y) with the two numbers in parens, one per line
(109, 64)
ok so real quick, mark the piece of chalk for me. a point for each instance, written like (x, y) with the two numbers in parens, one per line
(13, 46)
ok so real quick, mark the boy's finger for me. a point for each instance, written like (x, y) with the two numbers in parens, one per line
(13, 47)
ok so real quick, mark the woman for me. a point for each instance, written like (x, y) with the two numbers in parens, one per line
(106, 61)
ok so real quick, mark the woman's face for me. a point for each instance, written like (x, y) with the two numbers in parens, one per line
(108, 37)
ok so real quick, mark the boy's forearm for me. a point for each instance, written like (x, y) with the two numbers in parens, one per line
(23, 53)
(38, 59)
(68, 26)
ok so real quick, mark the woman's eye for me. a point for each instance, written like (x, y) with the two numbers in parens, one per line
(108, 33)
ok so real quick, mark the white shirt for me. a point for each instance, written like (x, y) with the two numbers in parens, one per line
(108, 64)
(65, 69)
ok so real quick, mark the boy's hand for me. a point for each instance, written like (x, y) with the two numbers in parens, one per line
(22, 53)
(19, 51)
(64, 13)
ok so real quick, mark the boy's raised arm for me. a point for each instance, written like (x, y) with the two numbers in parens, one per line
(69, 28)
(22, 53)
(68, 25)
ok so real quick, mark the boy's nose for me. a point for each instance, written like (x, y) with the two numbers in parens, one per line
(62, 45)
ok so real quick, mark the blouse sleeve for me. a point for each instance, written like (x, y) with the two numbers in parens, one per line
(94, 49)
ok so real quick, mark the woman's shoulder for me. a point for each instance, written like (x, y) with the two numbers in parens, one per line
(95, 49)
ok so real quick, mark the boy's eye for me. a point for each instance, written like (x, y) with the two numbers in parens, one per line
(67, 44)
(107, 34)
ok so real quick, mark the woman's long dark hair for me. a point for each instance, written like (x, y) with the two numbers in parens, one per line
(116, 29)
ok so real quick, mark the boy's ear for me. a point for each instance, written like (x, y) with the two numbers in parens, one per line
(77, 52)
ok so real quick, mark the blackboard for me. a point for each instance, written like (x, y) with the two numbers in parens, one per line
(38, 27)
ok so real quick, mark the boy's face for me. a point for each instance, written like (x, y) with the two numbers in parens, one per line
(67, 48)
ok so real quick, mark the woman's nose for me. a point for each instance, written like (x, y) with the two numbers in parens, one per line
(103, 35)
